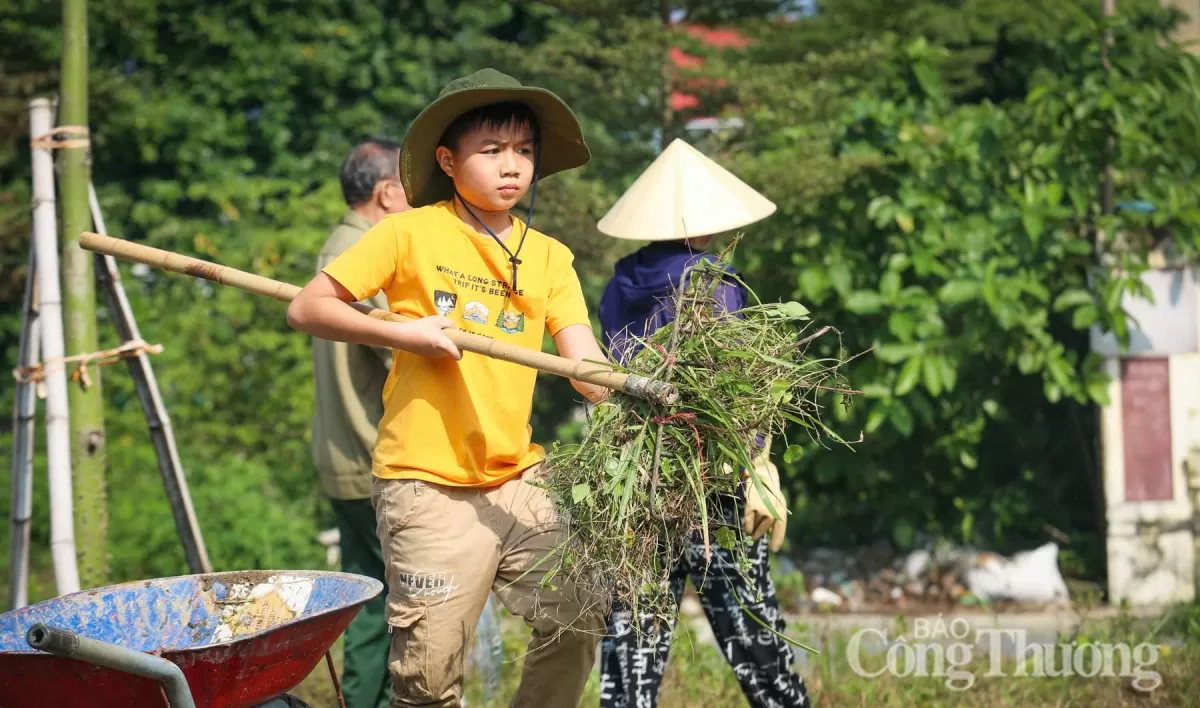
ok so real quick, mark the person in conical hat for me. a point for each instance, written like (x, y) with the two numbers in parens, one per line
(456, 517)
(678, 205)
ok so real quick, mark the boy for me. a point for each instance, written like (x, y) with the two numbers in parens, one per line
(678, 203)
(456, 517)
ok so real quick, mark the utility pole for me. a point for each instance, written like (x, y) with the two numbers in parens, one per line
(86, 402)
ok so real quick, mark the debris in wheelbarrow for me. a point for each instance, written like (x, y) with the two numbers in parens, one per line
(241, 640)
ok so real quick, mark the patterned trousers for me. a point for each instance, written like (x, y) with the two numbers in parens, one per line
(632, 669)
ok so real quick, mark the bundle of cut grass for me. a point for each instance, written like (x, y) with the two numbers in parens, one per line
(645, 478)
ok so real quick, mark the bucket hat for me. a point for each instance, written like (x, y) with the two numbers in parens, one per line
(561, 141)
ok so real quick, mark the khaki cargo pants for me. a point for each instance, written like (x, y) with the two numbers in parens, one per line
(444, 548)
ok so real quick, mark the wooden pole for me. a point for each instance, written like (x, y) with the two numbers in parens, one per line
(58, 434)
(1101, 241)
(87, 403)
(668, 69)
(170, 467)
(24, 414)
(595, 373)
(1108, 8)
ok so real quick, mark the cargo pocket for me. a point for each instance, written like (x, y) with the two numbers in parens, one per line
(408, 660)
(398, 500)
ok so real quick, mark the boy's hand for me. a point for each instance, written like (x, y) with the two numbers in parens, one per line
(323, 309)
(425, 337)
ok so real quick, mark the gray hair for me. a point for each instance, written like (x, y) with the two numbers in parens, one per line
(367, 164)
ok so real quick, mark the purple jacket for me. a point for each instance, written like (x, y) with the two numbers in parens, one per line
(639, 298)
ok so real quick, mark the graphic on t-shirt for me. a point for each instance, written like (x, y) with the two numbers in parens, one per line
(444, 302)
(511, 322)
(476, 312)
(482, 284)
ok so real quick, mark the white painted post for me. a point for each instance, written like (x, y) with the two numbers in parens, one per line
(58, 434)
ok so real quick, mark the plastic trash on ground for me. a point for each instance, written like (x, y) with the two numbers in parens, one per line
(1031, 576)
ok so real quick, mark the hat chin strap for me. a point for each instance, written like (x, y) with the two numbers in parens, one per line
(512, 257)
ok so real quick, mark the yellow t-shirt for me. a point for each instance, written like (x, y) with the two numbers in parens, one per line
(461, 423)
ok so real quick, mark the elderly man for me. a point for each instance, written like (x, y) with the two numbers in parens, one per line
(349, 404)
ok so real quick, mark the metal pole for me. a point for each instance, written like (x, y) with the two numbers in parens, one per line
(24, 413)
(58, 434)
(161, 433)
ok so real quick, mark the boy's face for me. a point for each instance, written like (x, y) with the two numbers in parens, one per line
(492, 168)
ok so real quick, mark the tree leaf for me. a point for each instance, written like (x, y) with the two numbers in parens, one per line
(839, 275)
(894, 353)
(726, 538)
(814, 282)
(1033, 225)
(949, 373)
(932, 370)
(875, 205)
(991, 407)
(1072, 298)
(901, 324)
(1085, 317)
(889, 286)
(909, 375)
(957, 292)
(864, 302)
(779, 390)
(876, 417)
(791, 310)
(1097, 391)
(903, 535)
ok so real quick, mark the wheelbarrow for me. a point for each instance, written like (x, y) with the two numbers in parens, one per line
(217, 640)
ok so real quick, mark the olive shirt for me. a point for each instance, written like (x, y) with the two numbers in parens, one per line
(349, 390)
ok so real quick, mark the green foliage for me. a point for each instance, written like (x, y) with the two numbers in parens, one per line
(992, 46)
(247, 519)
(958, 248)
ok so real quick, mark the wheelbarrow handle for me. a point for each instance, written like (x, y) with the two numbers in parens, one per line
(63, 642)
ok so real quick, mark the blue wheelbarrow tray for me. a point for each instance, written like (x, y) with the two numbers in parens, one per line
(240, 638)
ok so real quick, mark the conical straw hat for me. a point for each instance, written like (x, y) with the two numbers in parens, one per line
(684, 194)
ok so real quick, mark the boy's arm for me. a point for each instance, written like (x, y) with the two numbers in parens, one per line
(322, 309)
(576, 342)
(568, 322)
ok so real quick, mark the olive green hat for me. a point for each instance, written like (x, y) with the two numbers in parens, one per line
(561, 142)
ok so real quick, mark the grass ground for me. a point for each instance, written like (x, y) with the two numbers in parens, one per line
(698, 676)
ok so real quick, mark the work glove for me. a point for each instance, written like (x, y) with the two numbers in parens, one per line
(758, 519)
